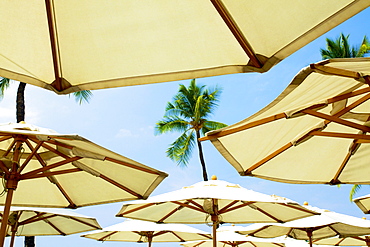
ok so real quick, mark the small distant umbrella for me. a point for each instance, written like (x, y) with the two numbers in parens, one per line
(327, 224)
(43, 168)
(214, 202)
(347, 241)
(144, 231)
(25, 221)
(227, 237)
(363, 203)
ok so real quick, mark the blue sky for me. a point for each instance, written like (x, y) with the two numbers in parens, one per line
(123, 120)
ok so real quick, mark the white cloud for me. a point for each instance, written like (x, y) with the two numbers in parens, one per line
(124, 133)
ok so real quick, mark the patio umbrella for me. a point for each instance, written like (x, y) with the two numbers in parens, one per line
(69, 45)
(144, 231)
(42, 168)
(316, 131)
(214, 202)
(347, 241)
(327, 224)
(363, 203)
(227, 237)
(25, 221)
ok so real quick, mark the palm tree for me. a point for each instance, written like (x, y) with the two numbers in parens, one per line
(188, 113)
(340, 48)
(82, 96)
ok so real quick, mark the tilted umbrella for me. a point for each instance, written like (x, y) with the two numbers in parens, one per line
(227, 237)
(327, 224)
(34, 221)
(144, 231)
(316, 131)
(363, 203)
(347, 241)
(68, 45)
(214, 202)
(43, 168)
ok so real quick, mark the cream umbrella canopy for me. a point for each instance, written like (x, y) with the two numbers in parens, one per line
(327, 224)
(68, 45)
(227, 237)
(316, 131)
(42, 168)
(144, 231)
(25, 221)
(214, 202)
(363, 203)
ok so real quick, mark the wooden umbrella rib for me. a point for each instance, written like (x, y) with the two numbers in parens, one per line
(171, 213)
(348, 95)
(225, 15)
(54, 150)
(227, 206)
(109, 180)
(4, 169)
(107, 236)
(136, 209)
(335, 71)
(269, 215)
(147, 170)
(4, 138)
(51, 166)
(228, 209)
(335, 179)
(9, 148)
(49, 174)
(37, 217)
(337, 120)
(176, 235)
(243, 127)
(33, 152)
(249, 171)
(82, 222)
(341, 135)
(189, 206)
(55, 227)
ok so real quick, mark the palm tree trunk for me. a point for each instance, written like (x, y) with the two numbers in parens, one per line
(29, 241)
(201, 157)
(20, 102)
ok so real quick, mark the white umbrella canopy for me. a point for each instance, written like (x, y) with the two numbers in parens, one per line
(363, 203)
(316, 131)
(43, 168)
(226, 236)
(67, 46)
(28, 221)
(327, 224)
(347, 241)
(144, 231)
(214, 202)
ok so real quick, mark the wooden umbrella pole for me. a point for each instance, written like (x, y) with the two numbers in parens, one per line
(309, 234)
(12, 239)
(214, 229)
(11, 185)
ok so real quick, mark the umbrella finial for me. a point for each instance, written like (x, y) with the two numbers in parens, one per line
(364, 218)
(305, 203)
(214, 177)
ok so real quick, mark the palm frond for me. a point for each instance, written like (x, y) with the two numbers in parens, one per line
(171, 124)
(82, 96)
(181, 149)
(4, 84)
(211, 125)
(355, 188)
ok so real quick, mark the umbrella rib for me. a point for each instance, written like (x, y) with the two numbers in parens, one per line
(133, 166)
(189, 206)
(221, 9)
(176, 235)
(136, 209)
(171, 213)
(109, 180)
(107, 236)
(228, 209)
(82, 222)
(248, 172)
(259, 122)
(49, 174)
(9, 148)
(55, 227)
(358, 137)
(337, 120)
(348, 95)
(334, 71)
(269, 215)
(49, 167)
(34, 152)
